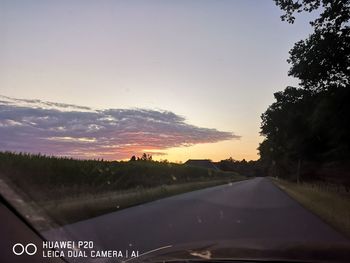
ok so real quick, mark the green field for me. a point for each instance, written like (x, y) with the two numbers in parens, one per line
(68, 190)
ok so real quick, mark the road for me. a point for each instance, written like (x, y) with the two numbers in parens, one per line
(248, 210)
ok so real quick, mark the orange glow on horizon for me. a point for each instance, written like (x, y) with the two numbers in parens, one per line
(237, 149)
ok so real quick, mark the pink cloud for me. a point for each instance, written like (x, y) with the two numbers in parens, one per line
(82, 132)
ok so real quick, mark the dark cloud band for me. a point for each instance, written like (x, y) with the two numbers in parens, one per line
(70, 130)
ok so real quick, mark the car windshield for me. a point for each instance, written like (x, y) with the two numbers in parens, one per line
(177, 130)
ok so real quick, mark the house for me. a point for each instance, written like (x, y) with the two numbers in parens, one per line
(203, 163)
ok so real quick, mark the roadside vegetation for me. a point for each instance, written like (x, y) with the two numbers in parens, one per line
(329, 202)
(69, 190)
(307, 127)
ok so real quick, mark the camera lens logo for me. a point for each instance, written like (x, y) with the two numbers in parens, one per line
(30, 249)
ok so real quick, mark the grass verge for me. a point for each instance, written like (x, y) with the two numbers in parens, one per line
(71, 210)
(329, 204)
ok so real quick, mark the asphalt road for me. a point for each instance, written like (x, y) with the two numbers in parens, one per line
(248, 210)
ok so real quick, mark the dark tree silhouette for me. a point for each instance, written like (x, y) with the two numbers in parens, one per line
(311, 124)
(321, 61)
(146, 157)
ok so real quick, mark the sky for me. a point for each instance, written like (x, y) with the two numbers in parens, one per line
(180, 79)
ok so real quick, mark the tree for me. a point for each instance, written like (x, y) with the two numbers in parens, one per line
(146, 157)
(310, 123)
(285, 125)
(322, 61)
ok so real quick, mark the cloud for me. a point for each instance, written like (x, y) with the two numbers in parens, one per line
(82, 132)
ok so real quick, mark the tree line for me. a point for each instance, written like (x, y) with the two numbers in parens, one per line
(307, 128)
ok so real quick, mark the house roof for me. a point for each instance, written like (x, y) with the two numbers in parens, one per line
(204, 163)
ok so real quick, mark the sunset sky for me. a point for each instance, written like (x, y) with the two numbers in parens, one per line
(108, 79)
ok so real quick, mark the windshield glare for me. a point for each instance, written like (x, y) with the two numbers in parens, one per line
(175, 131)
